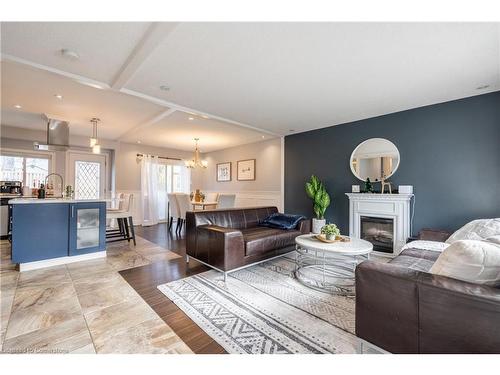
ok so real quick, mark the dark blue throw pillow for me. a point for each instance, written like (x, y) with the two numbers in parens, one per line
(281, 221)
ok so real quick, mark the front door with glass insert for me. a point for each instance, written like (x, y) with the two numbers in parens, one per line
(87, 175)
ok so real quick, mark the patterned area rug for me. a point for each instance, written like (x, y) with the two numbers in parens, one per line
(263, 309)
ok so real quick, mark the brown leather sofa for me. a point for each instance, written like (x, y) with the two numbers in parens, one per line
(229, 239)
(402, 308)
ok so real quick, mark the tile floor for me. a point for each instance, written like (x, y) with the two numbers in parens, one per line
(84, 307)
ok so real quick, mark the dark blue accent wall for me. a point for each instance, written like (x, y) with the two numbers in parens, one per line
(450, 153)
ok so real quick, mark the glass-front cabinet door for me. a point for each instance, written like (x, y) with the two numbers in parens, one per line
(87, 228)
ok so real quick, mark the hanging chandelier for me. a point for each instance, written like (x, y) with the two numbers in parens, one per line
(94, 142)
(196, 162)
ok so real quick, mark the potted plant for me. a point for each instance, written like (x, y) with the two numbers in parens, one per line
(321, 200)
(330, 231)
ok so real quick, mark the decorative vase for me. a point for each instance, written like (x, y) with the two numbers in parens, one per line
(197, 196)
(317, 224)
(330, 237)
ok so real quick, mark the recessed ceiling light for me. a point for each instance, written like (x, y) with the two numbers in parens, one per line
(190, 118)
(206, 117)
(69, 54)
(58, 96)
(18, 106)
(263, 136)
(164, 88)
(482, 87)
(139, 142)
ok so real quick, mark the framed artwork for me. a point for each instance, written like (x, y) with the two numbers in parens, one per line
(224, 172)
(246, 170)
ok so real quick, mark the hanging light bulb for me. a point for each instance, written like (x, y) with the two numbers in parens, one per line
(94, 143)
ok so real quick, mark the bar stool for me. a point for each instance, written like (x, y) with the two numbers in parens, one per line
(125, 229)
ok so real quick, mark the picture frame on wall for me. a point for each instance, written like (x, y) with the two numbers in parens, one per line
(223, 172)
(246, 170)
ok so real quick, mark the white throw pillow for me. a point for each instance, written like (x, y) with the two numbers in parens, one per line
(426, 245)
(476, 230)
(469, 260)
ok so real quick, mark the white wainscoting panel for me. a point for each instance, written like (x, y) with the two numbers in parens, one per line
(254, 198)
(243, 199)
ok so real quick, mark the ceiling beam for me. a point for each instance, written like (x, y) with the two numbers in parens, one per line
(156, 33)
(152, 99)
(192, 111)
(147, 124)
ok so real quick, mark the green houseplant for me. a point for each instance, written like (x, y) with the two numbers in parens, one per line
(330, 231)
(321, 200)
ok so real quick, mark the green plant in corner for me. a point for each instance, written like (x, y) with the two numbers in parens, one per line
(321, 199)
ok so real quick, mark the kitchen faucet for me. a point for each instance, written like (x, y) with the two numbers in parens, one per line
(58, 175)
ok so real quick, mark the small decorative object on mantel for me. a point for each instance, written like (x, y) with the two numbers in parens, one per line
(321, 200)
(223, 172)
(384, 184)
(355, 188)
(246, 170)
(368, 186)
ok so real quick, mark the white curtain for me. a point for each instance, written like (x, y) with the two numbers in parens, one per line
(149, 189)
(185, 180)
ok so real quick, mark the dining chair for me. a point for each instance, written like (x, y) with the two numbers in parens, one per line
(125, 229)
(211, 197)
(184, 203)
(226, 200)
(174, 210)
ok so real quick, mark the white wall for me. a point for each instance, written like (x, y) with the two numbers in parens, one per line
(265, 190)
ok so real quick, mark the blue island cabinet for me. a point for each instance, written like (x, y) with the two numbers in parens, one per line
(39, 231)
(87, 234)
(49, 230)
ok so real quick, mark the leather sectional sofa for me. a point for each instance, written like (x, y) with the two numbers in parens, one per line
(402, 308)
(229, 239)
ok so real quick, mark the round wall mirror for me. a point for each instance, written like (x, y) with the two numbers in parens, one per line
(375, 158)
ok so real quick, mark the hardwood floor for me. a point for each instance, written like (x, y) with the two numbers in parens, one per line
(145, 280)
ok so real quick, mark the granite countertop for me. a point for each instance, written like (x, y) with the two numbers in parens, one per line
(52, 200)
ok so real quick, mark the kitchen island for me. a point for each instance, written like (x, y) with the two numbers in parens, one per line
(48, 232)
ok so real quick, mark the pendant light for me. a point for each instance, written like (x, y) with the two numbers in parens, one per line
(196, 162)
(94, 142)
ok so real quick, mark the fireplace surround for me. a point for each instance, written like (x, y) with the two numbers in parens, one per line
(375, 217)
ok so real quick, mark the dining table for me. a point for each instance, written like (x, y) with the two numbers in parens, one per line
(204, 205)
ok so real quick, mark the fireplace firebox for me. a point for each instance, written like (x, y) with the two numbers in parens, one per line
(379, 231)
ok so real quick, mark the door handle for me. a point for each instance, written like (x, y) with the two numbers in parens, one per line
(72, 211)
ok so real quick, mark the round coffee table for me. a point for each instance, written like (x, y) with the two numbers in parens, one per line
(329, 267)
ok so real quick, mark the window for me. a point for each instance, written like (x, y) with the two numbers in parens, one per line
(171, 179)
(31, 170)
(87, 179)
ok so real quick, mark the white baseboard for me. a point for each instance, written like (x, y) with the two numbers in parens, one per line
(58, 261)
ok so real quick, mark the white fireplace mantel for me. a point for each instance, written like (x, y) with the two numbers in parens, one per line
(390, 206)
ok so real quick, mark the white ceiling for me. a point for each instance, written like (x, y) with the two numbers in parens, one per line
(249, 79)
